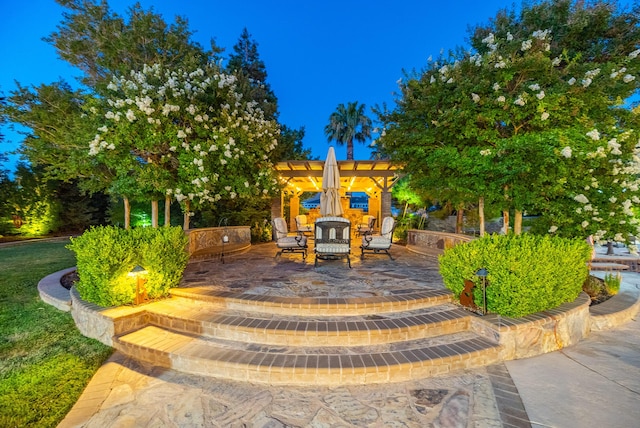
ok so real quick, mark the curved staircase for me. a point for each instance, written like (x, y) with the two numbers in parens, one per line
(308, 340)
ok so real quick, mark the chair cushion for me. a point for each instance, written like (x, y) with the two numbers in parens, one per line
(280, 228)
(387, 225)
(292, 242)
(332, 248)
(376, 242)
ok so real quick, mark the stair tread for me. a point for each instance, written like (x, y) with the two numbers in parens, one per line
(162, 339)
(181, 308)
(207, 293)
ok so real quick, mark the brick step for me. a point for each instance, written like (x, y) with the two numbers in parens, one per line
(355, 330)
(395, 362)
(312, 306)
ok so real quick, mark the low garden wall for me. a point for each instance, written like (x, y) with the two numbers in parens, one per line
(207, 242)
(103, 324)
(432, 243)
(538, 333)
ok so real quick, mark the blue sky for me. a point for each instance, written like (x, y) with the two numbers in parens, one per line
(318, 54)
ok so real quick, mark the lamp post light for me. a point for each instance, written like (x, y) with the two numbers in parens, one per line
(139, 273)
(482, 274)
(225, 240)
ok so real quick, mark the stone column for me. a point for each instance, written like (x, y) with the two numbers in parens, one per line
(385, 204)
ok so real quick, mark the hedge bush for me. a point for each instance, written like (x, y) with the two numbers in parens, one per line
(526, 273)
(106, 254)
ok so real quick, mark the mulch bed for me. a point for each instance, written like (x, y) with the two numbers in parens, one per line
(69, 280)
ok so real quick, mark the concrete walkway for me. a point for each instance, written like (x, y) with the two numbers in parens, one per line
(594, 383)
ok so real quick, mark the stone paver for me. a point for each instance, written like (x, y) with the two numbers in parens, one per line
(141, 395)
(129, 393)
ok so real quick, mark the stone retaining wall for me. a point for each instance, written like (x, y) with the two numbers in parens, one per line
(537, 333)
(432, 243)
(207, 242)
(103, 324)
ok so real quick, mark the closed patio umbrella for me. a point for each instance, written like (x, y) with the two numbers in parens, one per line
(330, 197)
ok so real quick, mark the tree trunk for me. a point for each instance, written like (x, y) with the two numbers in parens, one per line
(517, 222)
(167, 211)
(187, 206)
(481, 215)
(127, 213)
(505, 222)
(349, 150)
(460, 218)
(610, 251)
(154, 213)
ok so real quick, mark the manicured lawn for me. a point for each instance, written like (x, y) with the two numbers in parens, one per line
(44, 361)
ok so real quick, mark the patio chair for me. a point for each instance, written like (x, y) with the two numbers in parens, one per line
(332, 239)
(382, 242)
(366, 226)
(286, 243)
(303, 226)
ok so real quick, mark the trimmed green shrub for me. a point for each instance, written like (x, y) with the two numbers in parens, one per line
(612, 282)
(526, 273)
(106, 255)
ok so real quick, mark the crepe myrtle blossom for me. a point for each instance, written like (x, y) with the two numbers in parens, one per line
(475, 97)
(593, 134)
(566, 152)
(553, 229)
(544, 116)
(184, 127)
(581, 198)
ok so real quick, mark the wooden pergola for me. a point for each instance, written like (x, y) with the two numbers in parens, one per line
(374, 178)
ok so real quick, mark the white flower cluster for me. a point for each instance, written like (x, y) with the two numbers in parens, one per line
(168, 105)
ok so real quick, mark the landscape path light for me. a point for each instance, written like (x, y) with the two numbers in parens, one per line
(482, 274)
(139, 273)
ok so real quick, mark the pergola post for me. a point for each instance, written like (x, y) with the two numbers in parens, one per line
(294, 210)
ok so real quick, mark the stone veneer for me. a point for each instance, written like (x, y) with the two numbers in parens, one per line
(432, 243)
(104, 323)
(207, 242)
(538, 333)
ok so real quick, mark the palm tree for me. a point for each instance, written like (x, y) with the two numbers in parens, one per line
(347, 124)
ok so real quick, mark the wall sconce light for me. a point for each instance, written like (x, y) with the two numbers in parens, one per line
(139, 273)
(482, 274)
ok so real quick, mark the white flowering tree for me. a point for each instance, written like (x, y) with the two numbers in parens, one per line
(187, 135)
(533, 117)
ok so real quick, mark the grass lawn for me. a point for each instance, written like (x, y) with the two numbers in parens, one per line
(45, 363)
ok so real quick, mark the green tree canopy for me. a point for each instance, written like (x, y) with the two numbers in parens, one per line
(532, 117)
(246, 63)
(348, 124)
(184, 133)
(101, 43)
